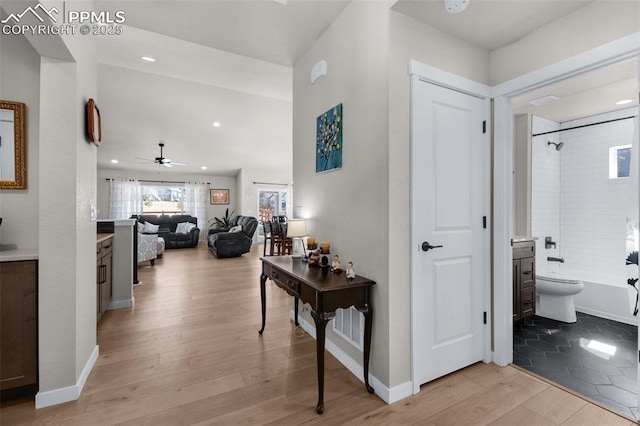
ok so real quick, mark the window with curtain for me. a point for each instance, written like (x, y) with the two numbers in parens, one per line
(195, 202)
(125, 198)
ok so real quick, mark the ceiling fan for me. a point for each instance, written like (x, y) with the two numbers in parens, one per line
(162, 160)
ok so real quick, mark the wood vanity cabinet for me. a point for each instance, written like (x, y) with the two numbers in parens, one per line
(18, 327)
(104, 273)
(524, 279)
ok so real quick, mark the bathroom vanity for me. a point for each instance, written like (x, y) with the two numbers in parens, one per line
(524, 278)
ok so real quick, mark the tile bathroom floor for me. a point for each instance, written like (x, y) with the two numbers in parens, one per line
(581, 357)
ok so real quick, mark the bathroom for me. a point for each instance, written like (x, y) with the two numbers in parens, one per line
(580, 205)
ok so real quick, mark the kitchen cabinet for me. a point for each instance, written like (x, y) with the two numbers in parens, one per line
(18, 327)
(104, 273)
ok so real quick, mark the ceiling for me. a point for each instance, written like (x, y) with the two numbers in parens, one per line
(231, 61)
(489, 24)
(269, 30)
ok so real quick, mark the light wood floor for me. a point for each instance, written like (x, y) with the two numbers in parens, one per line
(189, 353)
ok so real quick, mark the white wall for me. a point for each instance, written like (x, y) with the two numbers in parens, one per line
(349, 207)
(67, 181)
(20, 82)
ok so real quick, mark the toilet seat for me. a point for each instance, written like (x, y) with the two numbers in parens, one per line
(558, 279)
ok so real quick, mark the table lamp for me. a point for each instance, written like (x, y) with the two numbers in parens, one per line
(296, 229)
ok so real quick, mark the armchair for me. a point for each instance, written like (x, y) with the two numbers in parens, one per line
(147, 248)
(227, 242)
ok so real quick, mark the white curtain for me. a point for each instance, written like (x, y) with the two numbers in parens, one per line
(126, 198)
(195, 203)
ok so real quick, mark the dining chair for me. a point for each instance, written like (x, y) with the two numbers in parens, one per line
(269, 237)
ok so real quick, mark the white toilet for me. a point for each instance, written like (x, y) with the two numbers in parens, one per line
(555, 296)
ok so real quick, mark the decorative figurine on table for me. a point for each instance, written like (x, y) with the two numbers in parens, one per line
(351, 273)
(335, 265)
(324, 263)
(314, 258)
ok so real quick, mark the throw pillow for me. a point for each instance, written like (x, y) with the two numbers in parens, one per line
(150, 228)
(141, 227)
(182, 228)
(190, 226)
(235, 229)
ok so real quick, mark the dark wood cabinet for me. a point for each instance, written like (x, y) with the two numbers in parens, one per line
(524, 279)
(18, 327)
(104, 273)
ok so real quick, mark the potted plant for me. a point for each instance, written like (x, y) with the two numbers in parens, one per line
(222, 222)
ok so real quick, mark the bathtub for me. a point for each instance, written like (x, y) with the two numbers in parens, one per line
(603, 296)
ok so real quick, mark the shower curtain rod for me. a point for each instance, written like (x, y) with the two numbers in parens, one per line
(157, 181)
(585, 125)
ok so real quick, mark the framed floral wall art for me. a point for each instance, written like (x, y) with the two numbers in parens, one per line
(329, 140)
(218, 196)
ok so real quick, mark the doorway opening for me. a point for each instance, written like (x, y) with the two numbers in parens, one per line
(271, 203)
(581, 217)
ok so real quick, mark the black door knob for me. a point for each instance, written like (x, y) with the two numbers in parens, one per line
(426, 246)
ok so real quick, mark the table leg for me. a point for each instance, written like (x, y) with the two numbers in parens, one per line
(296, 303)
(368, 320)
(321, 324)
(263, 300)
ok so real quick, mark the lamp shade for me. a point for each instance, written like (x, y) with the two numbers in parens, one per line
(296, 228)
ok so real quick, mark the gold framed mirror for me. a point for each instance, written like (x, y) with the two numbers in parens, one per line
(13, 150)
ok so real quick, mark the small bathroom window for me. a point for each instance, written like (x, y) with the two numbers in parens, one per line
(619, 161)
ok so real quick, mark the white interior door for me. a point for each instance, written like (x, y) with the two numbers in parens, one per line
(448, 278)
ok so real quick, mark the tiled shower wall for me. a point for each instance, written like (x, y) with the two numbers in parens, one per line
(545, 189)
(573, 184)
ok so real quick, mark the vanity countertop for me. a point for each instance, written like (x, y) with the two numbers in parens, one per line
(18, 255)
(520, 239)
(103, 236)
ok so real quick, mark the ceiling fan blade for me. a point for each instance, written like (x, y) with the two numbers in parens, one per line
(179, 164)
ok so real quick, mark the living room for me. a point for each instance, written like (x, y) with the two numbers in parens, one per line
(363, 209)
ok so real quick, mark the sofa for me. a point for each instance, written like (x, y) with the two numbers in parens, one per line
(167, 226)
(234, 240)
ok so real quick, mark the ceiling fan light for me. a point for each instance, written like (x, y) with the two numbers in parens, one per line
(456, 6)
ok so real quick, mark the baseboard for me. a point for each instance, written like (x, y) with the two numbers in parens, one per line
(607, 315)
(120, 304)
(388, 395)
(70, 393)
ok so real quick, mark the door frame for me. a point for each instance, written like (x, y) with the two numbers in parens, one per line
(499, 343)
(420, 72)
(623, 49)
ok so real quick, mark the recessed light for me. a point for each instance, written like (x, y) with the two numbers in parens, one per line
(204, 167)
(216, 124)
(148, 59)
(624, 102)
(544, 100)
(114, 161)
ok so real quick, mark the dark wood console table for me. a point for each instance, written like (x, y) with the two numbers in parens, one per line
(326, 292)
